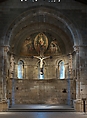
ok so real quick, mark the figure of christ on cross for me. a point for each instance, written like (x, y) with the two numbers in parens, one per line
(41, 62)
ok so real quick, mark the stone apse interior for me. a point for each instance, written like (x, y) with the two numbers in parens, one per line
(27, 85)
(42, 56)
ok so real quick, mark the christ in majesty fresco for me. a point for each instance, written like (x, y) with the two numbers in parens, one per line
(41, 43)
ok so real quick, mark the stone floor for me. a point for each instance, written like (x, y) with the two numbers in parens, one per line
(42, 115)
(18, 112)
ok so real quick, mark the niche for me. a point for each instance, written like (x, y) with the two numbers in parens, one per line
(16, 88)
(64, 91)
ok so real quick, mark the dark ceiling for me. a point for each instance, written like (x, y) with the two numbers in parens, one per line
(2, 0)
(82, 1)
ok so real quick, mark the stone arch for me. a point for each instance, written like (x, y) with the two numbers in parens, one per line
(21, 59)
(60, 59)
(42, 16)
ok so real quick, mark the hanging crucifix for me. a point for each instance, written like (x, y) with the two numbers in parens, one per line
(41, 62)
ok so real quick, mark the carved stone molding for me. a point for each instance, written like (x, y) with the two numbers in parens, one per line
(76, 49)
(6, 48)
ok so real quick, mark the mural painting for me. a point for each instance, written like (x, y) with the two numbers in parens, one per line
(41, 43)
(54, 47)
(27, 48)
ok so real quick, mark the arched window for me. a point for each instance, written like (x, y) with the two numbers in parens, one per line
(20, 69)
(40, 72)
(41, 76)
(61, 70)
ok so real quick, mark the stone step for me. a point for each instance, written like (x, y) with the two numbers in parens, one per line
(40, 108)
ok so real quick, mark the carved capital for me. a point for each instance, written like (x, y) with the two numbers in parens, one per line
(6, 48)
(76, 49)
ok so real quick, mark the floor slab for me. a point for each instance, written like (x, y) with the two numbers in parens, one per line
(42, 115)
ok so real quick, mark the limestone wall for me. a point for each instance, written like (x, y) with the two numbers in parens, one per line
(40, 91)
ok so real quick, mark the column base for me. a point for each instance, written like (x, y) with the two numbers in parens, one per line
(3, 105)
(78, 105)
